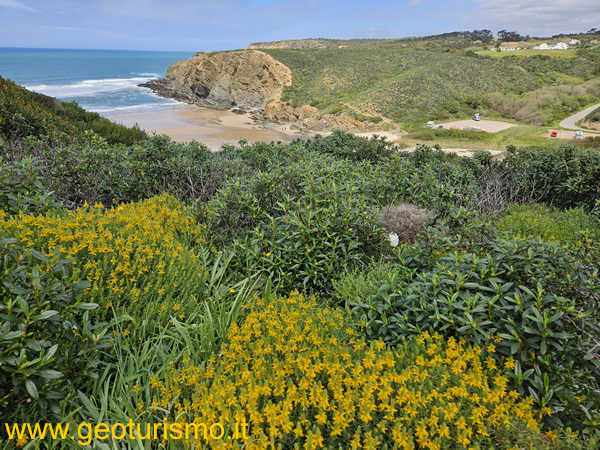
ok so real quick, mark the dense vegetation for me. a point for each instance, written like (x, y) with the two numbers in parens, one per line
(30, 114)
(157, 281)
(414, 80)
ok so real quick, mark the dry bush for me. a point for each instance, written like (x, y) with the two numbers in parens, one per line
(405, 220)
(497, 191)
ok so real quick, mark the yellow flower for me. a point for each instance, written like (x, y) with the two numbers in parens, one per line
(551, 434)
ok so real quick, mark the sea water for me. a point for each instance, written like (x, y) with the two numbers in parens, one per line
(104, 81)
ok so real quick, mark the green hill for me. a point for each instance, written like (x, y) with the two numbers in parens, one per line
(410, 81)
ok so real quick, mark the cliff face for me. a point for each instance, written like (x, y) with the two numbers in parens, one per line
(296, 43)
(247, 79)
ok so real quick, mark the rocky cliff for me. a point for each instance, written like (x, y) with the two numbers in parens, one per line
(250, 80)
(247, 79)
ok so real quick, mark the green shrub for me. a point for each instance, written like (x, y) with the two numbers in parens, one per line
(47, 341)
(348, 146)
(353, 286)
(530, 304)
(22, 189)
(24, 113)
(311, 240)
(535, 220)
(450, 133)
(566, 177)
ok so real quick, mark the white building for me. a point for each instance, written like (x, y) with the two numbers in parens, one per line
(509, 46)
(559, 46)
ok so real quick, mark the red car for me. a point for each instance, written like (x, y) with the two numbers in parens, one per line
(554, 134)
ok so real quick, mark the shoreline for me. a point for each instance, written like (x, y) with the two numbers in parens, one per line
(214, 128)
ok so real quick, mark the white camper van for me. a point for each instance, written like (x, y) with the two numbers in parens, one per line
(476, 117)
(430, 124)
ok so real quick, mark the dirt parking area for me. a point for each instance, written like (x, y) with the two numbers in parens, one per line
(567, 134)
(491, 126)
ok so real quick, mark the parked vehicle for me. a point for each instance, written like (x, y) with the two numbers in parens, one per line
(440, 127)
(430, 124)
(579, 135)
(554, 134)
(475, 128)
(476, 117)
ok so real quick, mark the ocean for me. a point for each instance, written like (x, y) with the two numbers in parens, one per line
(104, 81)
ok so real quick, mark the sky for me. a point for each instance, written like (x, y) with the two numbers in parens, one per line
(199, 25)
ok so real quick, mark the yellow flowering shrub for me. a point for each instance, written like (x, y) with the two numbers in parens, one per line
(301, 378)
(138, 256)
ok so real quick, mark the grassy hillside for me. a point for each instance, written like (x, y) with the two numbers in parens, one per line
(413, 81)
(26, 113)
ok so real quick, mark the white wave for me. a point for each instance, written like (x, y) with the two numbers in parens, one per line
(145, 107)
(90, 88)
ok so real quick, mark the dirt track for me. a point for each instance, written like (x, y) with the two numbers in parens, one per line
(491, 126)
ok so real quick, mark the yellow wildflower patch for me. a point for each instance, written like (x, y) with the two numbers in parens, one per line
(133, 252)
(295, 374)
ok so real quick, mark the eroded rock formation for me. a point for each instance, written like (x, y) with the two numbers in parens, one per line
(247, 79)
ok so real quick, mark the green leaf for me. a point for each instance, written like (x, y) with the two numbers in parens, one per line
(32, 389)
(40, 256)
(50, 374)
(86, 305)
(45, 315)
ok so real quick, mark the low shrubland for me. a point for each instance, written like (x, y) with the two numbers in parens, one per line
(449, 133)
(159, 280)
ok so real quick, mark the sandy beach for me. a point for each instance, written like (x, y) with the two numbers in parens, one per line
(210, 127)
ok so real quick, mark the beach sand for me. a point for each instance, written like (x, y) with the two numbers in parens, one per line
(208, 126)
